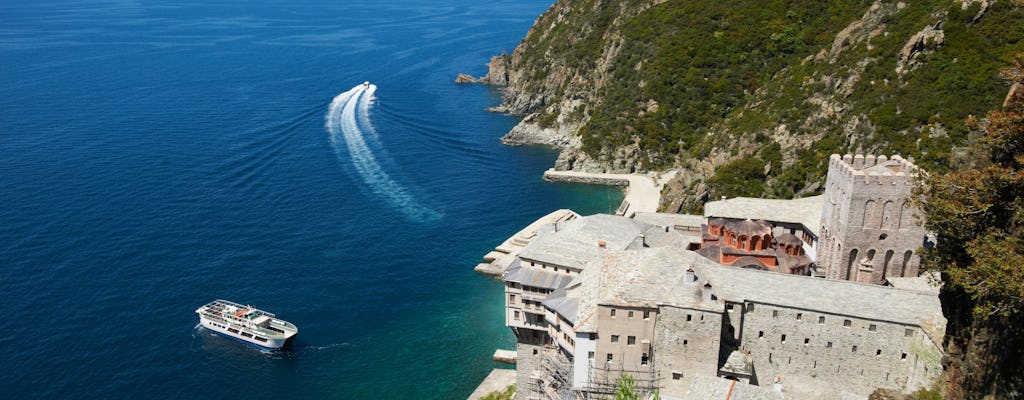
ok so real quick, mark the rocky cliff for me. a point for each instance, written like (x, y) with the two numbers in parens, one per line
(749, 97)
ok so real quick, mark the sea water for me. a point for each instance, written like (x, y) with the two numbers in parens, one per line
(156, 155)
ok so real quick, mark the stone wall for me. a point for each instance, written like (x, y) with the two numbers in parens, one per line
(826, 354)
(686, 343)
(528, 358)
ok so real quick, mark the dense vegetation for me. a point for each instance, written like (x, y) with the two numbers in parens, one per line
(699, 61)
(687, 81)
(508, 394)
(977, 212)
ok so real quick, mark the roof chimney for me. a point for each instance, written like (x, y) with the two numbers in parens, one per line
(643, 239)
(690, 278)
(706, 292)
(602, 244)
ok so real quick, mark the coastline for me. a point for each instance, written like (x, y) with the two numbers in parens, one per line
(642, 191)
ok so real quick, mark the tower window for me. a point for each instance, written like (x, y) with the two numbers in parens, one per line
(821, 320)
(847, 323)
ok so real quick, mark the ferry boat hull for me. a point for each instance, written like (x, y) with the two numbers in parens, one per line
(270, 345)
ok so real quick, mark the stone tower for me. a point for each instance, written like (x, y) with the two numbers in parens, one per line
(868, 226)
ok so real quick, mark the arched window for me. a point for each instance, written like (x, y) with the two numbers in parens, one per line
(906, 260)
(870, 258)
(766, 241)
(754, 242)
(869, 215)
(849, 264)
(906, 216)
(885, 266)
(888, 215)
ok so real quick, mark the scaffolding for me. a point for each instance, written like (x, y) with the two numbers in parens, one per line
(603, 382)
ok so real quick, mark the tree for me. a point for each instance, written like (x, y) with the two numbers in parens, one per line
(977, 215)
(624, 388)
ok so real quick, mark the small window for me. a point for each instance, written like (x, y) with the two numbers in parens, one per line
(854, 349)
(593, 336)
(677, 376)
(630, 314)
(760, 334)
(630, 340)
(775, 313)
(511, 299)
(613, 313)
(908, 333)
(729, 307)
(615, 338)
(878, 353)
(609, 356)
(685, 342)
(872, 327)
(750, 307)
(847, 323)
(516, 315)
(590, 355)
(644, 359)
(689, 317)
(799, 316)
(783, 338)
(903, 356)
(807, 341)
(821, 320)
(647, 314)
(828, 345)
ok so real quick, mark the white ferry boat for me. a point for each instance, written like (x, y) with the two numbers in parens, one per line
(247, 324)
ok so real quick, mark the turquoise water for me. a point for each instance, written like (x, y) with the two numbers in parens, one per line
(157, 155)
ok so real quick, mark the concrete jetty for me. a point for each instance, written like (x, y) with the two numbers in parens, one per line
(643, 191)
(497, 260)
(497, 380)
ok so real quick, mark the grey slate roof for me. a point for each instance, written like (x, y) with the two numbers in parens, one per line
(806, 211)
(576, 241)
(652, 277)
(535, 277)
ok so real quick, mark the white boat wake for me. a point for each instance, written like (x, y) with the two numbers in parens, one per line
(347, 120)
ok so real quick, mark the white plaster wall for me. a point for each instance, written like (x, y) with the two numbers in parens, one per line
(581, 361)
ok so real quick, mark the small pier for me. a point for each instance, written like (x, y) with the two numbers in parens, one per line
(495, 262)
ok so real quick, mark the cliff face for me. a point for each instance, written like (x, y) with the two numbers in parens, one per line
(755, 92)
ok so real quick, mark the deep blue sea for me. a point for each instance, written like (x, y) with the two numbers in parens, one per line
(156, 155)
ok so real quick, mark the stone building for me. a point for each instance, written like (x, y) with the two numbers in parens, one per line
(667, 316)
(652, 296)
(868, 226)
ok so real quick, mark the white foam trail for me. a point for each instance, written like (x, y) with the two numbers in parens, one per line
(341, 122)
(364, 112)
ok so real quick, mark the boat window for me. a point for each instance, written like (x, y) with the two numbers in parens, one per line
(262, 339)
